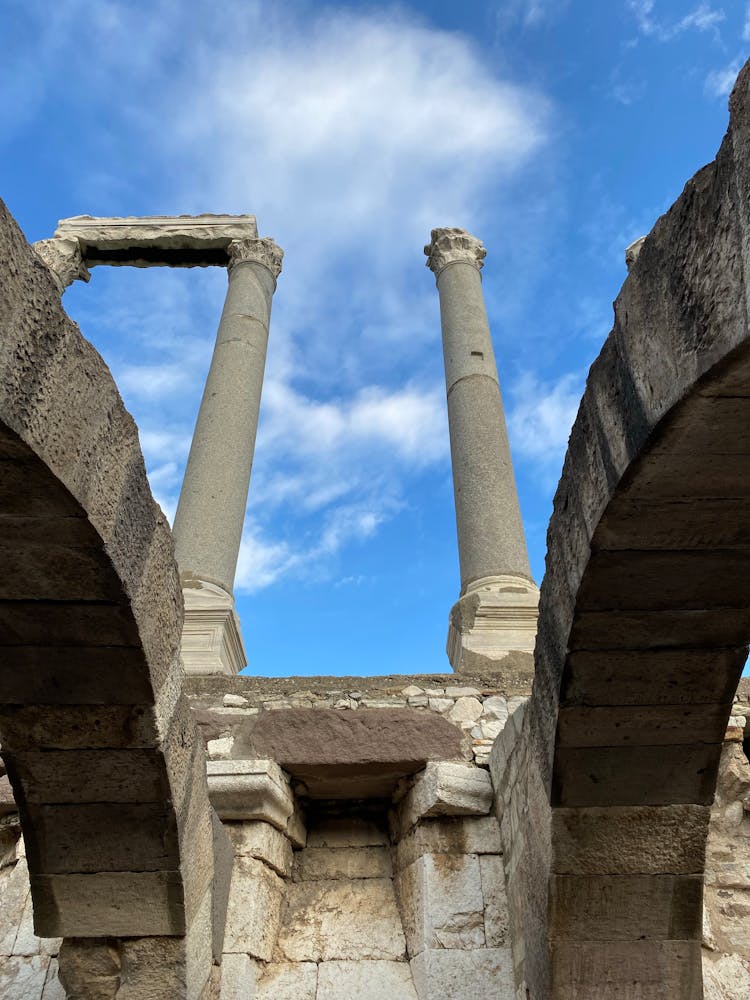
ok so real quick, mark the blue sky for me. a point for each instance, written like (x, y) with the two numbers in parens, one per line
(555, 131)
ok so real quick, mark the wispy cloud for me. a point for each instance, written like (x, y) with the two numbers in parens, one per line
(703, 18)
(719, 82)
(541, 415)
(529, 13)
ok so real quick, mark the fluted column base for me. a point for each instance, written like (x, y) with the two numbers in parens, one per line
(211, 634)
(492, 627)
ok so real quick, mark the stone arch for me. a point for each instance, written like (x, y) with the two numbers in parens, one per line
(99, 744)
(645, 611)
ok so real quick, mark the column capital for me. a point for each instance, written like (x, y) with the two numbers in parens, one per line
(449, 246)
(64, 259)
(261, 251)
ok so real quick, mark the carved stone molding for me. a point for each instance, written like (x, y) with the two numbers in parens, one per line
(450, 246)
(64, 260)
(261, 251)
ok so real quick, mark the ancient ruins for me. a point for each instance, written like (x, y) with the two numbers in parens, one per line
(565, 816)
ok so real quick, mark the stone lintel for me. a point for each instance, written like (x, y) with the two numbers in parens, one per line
(157, 240)
(211, 634)
(494, 620)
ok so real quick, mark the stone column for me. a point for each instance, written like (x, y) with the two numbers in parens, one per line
(211, 509)
(495, 616)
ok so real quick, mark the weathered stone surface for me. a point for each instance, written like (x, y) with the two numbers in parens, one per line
(316, 863)
(327, 920)
(456, 975)
(726, 977)
(496, 915)
(353, 831)
(84, 905)
(450, 835)
(14, 890)
(23, 977)
(149, 968)
(239, 977)
(255, 900)
(441, 902)
(223, 863)
(627, 907)
(289, 981)
(250, 790)
(630, 840)
(263, 841)
(585, 970)
(363, 753)
(53, 988)
(368, 980)
(446, 789)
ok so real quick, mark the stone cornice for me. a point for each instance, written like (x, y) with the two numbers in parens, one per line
(451, 246)
(64, 260)
(258, 251)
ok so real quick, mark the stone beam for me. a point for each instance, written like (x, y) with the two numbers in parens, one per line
(157, 240)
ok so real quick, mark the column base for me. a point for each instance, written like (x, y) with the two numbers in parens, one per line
(492, 627)
(211, 636)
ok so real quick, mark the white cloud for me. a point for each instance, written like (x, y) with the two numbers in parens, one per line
(529, 13)
(541, 416)
(719, 82)
(703, 18)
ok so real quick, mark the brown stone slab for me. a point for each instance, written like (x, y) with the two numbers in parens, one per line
(657, 581)
(103, 837)
(638, 776)
(354, 753)
(71, 727)
(651, 677)
(707, 424)
(630, 840)
(641, 725)
(645, 630)
(116, 904)
(66, 624)
(626, 907)
(74, 675)
(63, 776)
(679, 524)
(643, 970)
(689, 477)
(28, 488)
(55, 572)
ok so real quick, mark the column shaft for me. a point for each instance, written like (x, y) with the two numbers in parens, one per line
(211, 510)
(491, 540)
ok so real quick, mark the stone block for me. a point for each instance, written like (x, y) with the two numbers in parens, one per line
(255, 899)
(255, 839)
(108, 904)
(14, 890)
(223, 865)
(626, 840)
(626, 907)
(295, 828)
(441, 902)
(367, 980)
(7, 802)
(103, 837)
(457, 975)
(316, 863)
(53, 988)
(27, 942)
(347, 831)
(23, 977)
(446, 788)
(348, 919)
(466, 710)
(239, 977)
(250, 790)
(289, 981)
(450, 835)
(648, 970)
(496, 915)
